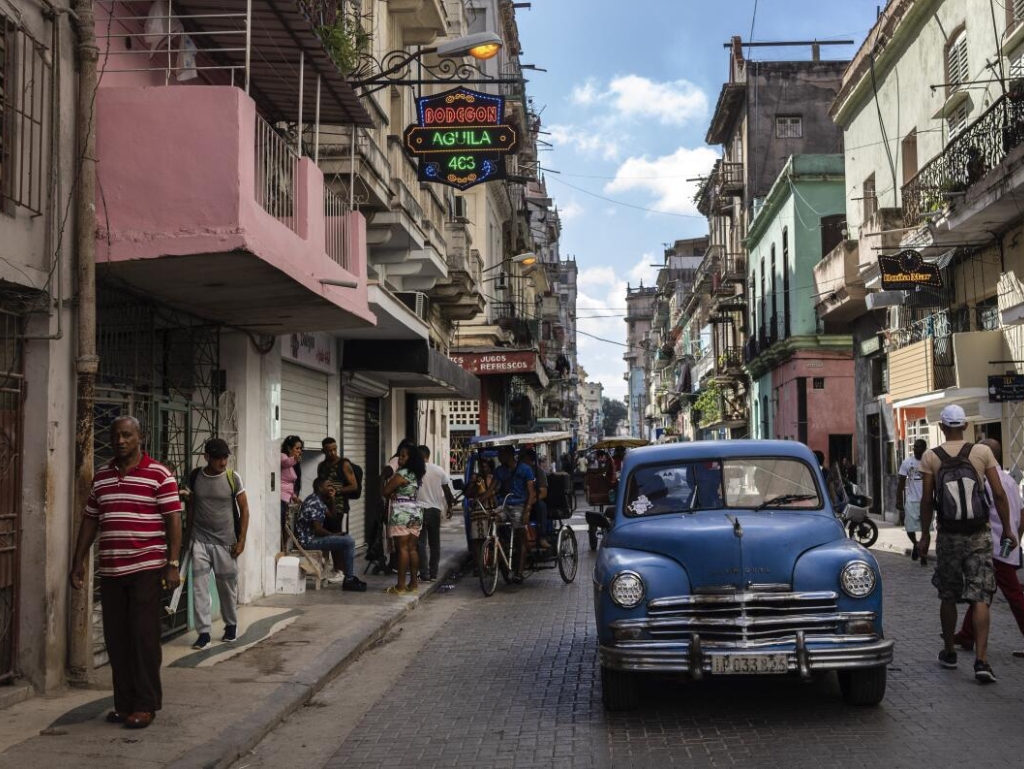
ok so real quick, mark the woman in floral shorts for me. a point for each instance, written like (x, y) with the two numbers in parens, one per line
(406, 518)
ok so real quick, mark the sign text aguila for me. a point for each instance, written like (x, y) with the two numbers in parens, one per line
(461, 138)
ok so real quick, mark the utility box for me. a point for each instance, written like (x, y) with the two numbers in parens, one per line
(290, 578)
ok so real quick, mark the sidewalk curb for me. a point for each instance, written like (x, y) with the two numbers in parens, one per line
(226, 748)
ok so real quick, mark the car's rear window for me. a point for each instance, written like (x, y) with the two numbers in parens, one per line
(770, 483)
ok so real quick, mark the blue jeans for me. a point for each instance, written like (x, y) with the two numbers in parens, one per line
(342, 543)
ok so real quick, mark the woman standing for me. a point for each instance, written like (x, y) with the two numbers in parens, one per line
(406, 519)
(291, 479)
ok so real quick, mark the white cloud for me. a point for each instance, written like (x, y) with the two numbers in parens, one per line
(584, 94)
(584, 141)
(672, 103)
(666, 177)
(570, 211)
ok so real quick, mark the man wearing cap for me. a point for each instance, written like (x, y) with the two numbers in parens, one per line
(217, 495)
(963, 549)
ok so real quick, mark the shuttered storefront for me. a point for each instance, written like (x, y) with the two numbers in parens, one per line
(304, 404)
(353, 447)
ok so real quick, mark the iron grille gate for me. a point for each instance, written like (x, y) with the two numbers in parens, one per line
(11, 399)
(162, 367)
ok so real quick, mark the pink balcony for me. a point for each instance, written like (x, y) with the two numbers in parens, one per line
(203, 206)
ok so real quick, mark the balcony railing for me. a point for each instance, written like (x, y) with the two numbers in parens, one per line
(276, 168)
(730, 179)
(336, 238)
(969, 156)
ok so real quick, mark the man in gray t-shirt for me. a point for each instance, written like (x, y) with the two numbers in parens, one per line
(217, 495)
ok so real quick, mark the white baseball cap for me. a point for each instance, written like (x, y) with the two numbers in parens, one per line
(953, 416)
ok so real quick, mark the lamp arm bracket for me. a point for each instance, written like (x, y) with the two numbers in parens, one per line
(395, 68)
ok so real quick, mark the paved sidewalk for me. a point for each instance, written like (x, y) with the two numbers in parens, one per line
(219, 702)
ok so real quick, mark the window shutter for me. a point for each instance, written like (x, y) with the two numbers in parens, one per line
(957, 120)
(957, 62)
(1018, 10)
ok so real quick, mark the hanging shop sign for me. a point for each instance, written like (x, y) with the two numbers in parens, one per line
(315, 350)
(461, 138)
(907, 270)
(1007, 387)
(482, 364)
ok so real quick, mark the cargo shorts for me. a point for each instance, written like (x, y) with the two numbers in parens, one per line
(964, 572)
(513, 514)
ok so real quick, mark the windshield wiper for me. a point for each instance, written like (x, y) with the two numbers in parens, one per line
(784, 499)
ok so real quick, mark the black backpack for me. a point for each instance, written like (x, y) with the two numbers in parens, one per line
(357, 471)
(233, 485)
(960, 496)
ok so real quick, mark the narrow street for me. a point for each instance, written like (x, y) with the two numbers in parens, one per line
(512, 681)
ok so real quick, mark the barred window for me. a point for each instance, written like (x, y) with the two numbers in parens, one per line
(789, 127)
(24, 86)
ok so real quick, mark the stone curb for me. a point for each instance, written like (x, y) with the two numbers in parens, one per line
(226, 748)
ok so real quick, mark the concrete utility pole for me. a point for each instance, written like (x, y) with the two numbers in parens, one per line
(87, 362)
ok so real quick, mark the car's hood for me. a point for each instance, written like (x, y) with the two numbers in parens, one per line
(707, 546)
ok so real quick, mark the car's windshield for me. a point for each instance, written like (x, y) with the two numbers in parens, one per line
(767, 483)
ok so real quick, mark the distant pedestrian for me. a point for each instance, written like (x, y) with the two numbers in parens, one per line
(337, 470)
(216, 497)
(953, 488)
(434, 495)
(1005, 566)
(135, 509)
(908, 496)
(312, 534)
(291, 479)
(405, 519)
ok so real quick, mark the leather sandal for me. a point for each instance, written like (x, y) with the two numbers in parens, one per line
(140, 719)
(113, 717)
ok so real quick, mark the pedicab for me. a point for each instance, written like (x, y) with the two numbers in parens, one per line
(599, 484)
(491, 536)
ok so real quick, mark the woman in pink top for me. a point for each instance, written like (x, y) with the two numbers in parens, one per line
(291, 478)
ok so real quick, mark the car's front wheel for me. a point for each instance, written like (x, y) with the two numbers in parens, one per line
(619, 690)
(862, 687)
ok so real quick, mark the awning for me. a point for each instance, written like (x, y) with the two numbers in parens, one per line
(280, 30)
(410, 364)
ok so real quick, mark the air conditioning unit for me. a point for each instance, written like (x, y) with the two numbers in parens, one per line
(461, 209)
(422, 305)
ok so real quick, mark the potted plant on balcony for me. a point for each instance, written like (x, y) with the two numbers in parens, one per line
(345, 39)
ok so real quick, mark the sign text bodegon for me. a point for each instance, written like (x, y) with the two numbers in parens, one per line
(461, 138)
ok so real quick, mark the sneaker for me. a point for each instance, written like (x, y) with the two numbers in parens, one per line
(913, 553)
(202, 641)
(336, 579)
(428, 579)
(230, 634)
(947, 659)
(965, 643)
(354, 584)
(983, 673)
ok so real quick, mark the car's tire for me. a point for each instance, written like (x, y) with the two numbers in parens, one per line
(865, 532)
(619, 690)
(568, 553)
(592, 537)
(488, 560)
(863, 687)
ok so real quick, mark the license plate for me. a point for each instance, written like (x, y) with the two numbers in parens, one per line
(748, 664)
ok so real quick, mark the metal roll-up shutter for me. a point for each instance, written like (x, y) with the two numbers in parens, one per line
(353, 448)
(303, 403)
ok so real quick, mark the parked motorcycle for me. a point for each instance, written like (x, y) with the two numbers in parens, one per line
(857, 521)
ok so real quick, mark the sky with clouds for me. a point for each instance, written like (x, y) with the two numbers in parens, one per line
(626, 100)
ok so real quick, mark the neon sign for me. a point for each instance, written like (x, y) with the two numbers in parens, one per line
(460, 138)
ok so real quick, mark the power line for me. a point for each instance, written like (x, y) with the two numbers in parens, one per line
(627, 205)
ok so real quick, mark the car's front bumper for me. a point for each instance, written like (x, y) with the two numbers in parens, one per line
(804, 655)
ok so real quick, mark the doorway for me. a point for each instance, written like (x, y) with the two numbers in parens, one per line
(874, 468)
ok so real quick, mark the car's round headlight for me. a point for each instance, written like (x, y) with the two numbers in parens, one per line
(857, 579)
(627, 589)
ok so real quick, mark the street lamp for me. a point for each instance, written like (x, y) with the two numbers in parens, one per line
(527, 259)
(393, 68)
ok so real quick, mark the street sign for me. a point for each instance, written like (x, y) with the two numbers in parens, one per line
(907, 270)
(1006, 387)
(461, 138)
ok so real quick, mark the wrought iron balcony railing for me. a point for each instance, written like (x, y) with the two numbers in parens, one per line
(969, 156)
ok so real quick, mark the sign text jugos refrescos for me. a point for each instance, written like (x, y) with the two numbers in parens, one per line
(461, 138)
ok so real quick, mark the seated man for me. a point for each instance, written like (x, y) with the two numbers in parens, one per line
(540, 506)
(312, 535)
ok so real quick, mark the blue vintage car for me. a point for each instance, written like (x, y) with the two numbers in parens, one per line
(728, 558)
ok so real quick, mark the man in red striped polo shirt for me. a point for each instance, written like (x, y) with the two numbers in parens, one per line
(135, 510)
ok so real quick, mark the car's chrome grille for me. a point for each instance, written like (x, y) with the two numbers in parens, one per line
(738, 617)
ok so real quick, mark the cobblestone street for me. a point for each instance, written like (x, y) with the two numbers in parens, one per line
(512, 681)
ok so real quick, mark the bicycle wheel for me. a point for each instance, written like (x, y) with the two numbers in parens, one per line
(488, 560)
(568, 554)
